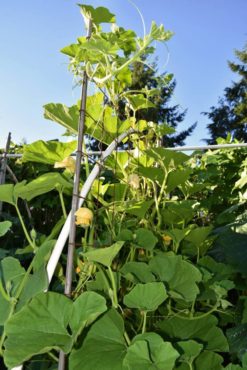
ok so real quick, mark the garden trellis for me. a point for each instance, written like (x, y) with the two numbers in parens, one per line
(159, 265)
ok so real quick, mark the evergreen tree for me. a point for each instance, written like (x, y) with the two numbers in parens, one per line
(146, 76)
(230, 115)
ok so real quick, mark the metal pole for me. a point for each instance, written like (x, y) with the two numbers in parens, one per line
(3, 166)
(62, 365)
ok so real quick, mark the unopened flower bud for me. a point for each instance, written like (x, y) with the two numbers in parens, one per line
(68, 163)
(84, 217)
(134, 181)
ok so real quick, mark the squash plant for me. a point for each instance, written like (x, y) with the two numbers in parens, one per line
(159, 270)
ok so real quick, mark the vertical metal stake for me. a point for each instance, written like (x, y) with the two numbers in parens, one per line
(3, 166)
(71, 246)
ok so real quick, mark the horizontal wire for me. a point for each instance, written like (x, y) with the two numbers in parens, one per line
(178, 148)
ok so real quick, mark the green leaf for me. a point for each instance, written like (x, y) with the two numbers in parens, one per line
(125, 76)
(189, 349)
(168, 158)
(233, 367)
(137, 272)
(43, 323)
(146, 297)
(42, 254)
(149, 352)
(159, 33)
(65, 116)
(189, 188)
(152, 173)
(43, 184)
(181, 276)
(100, 283)
(208, 360)
(198, 235)
(86, 309)
(138, 101)
(203, 330)
(104, 347)
(7, 194)
(125, 234)
(98, 115)
(4, 227)
(179, 212)
(47, 151)
(242, 181)
(230, 248)
(237, 338)
(145, 239)
(139, 209)
(36, 283)
(99, 15)
(177, 177)
(104, 256)
(11, 275)
(178, 235)
(40, 326)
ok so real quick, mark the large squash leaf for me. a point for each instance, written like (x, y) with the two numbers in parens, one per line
(104, 347)
(181, 276)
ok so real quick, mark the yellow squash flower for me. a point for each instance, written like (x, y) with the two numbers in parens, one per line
(84, 217)
(68, 163)
(134, 181)
(167, 239)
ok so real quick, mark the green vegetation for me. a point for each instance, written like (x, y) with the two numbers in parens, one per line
(160, 270)
(229, 116)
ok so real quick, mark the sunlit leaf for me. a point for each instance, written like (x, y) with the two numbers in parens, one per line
(138, 101)
(159, 33)
(99, 15)
(43, 184)
(4, 227)
(48, 151)
(7, 194)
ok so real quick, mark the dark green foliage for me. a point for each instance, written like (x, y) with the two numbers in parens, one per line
(230, 115)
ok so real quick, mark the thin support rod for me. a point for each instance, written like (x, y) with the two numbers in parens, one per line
(177, 148)
(208, 147)
(3, 166)
(62, 363)
(74, 206)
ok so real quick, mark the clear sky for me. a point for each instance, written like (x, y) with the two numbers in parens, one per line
(33, 72)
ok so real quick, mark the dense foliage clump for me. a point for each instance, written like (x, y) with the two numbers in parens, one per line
(159, 271)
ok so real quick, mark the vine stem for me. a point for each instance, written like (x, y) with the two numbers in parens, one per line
(62, 204)
(214, 308)
(144, 323)
(114, 288)
(24, 227)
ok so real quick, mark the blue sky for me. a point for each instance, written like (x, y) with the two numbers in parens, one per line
(33, 72)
